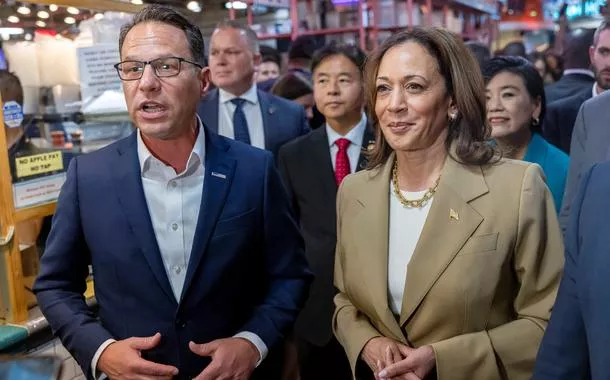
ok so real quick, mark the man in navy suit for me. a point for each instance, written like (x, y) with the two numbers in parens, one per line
(198, 265)
(575, 345)
(236, 109)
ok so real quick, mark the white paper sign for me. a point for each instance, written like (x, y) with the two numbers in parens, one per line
(38, 191)
(97, 73)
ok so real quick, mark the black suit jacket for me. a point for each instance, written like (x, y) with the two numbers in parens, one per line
(567, 86)
(560, 118)
(306, 167)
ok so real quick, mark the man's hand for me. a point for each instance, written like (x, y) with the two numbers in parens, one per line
(418, 362)
(122, 360)
(380, 352)
(232, 359)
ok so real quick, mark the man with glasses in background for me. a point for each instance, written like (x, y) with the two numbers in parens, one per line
(198, 264)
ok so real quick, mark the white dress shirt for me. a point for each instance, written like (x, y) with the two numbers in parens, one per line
(406, 225)
(579, 71)
(355, 136)
(174, 202)
(595, 93)
(252, 110)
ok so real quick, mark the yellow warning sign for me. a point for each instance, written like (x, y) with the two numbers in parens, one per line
(38, 164)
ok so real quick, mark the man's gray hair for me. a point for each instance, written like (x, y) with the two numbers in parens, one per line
(166, 15)
(250, 35)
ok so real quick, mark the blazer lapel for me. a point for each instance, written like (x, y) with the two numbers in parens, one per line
(208, 110)
(375, 221)
(128, 182)
(452, 217)
(219, 171)
(268, 111)
(368, 139)
(322, 171)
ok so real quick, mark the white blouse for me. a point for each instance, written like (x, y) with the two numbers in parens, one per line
(406, 225)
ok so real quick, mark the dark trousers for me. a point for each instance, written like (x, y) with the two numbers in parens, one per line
(326, 362)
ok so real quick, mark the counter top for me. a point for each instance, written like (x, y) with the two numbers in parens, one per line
(12, 334)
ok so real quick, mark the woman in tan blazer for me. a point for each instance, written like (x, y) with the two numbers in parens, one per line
(448, 257)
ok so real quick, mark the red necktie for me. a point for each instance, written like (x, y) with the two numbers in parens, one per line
(342, 167)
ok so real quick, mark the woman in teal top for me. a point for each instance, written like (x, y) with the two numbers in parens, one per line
(515, 110)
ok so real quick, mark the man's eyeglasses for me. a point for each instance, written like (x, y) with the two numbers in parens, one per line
(163, 67)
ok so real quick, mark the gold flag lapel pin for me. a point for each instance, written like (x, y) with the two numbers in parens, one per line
(453, 215)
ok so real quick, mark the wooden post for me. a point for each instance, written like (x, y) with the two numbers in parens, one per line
(14, 308)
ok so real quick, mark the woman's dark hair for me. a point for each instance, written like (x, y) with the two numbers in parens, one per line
(292, 86)
(528, 73)
(462, 76)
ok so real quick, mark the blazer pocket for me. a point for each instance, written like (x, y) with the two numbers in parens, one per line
(234, 223)
(480, 243)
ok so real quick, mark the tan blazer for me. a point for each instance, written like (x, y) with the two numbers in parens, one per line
(480, 284)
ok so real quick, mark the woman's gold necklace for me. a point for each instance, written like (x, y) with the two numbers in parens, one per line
(416, 203)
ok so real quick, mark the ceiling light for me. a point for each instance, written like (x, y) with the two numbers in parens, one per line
(9, 31)
(193, 6)
(69, 20)
(28, 37)
(136, 2)
(53, 8)
(73, 11)
(236, 5)
(13, 19)
(98, 16)
(43, 14)
(24, 10)
(41, 24)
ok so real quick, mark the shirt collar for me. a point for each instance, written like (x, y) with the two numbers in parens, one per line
(355, 135)
(250, 96)
(579, 71)
(144, 155)
(595, 93)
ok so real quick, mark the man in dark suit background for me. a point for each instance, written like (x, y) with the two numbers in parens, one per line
(575, 344)
(313, 166)
(577, 74)
(561, 114)
(198, 264)
(236, 109)
(590, 144)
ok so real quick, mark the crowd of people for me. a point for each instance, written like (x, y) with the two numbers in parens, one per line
(396, 215)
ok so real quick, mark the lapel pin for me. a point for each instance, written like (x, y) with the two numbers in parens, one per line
(271, 110)
(371, 145)
(219, 175)
(453, 215)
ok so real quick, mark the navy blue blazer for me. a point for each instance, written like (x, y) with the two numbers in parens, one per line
(575, 345)
(283, 120)
(247, 270)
